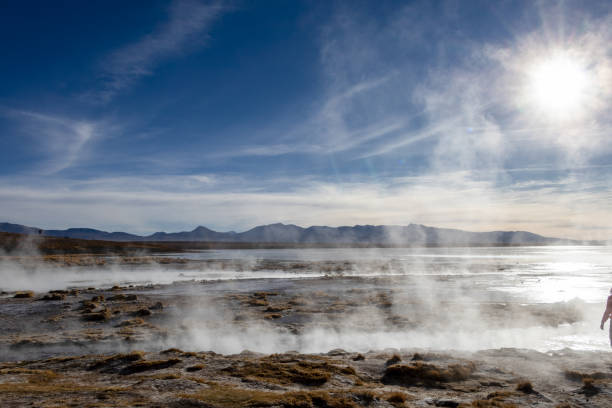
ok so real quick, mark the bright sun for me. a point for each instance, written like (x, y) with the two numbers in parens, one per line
(558, 87)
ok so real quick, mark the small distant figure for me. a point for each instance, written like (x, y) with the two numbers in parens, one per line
(607, 315)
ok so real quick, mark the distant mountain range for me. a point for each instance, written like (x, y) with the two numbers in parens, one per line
(388, 235)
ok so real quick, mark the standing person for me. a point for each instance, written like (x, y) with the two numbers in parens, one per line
(607, 314)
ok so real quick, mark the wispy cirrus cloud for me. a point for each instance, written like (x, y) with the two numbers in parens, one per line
(419, 74)
(186, 28)
(60, 141)
(327, 130)
(268, 150)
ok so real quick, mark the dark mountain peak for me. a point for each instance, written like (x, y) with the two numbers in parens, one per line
(200, 228)
(86, 230)
(19, 229)
(281, 225)
(275, 226)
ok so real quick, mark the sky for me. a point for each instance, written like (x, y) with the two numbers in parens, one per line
(147, 116)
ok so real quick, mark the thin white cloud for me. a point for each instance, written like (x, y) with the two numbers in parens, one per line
(187, 26)
(143, 205)
(59, 140)
(264, 150)
(376, 103)
(328, 131)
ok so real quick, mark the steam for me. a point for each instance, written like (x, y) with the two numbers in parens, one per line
(462, 306)
(437, 298)
(433, 324)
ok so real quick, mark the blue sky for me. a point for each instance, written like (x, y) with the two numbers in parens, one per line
(164, 115)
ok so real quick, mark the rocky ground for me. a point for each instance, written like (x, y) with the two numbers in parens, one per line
(175, 378)
(117, 346)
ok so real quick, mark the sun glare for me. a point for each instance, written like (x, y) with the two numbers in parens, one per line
(558, 86)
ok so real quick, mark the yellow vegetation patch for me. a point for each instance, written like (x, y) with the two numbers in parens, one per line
(131, 322)
(54, 388)
(397, 399)
(426, 374)
(312, 373)
(144, 365)
(33, 376)
(525, 387)
(229, 397)
(258, 302)
(196, 367)
(488, 404)
(117, 358)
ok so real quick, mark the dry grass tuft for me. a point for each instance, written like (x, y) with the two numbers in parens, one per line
(146, 365)
(588, 387)
(299, 301)
(301, 372)
(417, 357)
(100, 316)
(578, 376)
(229, 397)
(42, 377)
(53, 296)
(33, 376)
(26, 294)
(88, 306)
(489, 404)
(121, 296)
(156, 306)
(525, 387)
(366, 397)
(258, 302)
(172, 350)
(193, 368)
(117, 359)
(165, 376)
(393, 360)
(143, 312)
(223, 396)
(131, 322)
(426, 374)
(396, 398)
(277, 308)
(499, 395)
(264, 295)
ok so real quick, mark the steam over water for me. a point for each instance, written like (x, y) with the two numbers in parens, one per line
(533, 274)
(563, 288)
(540, 298)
